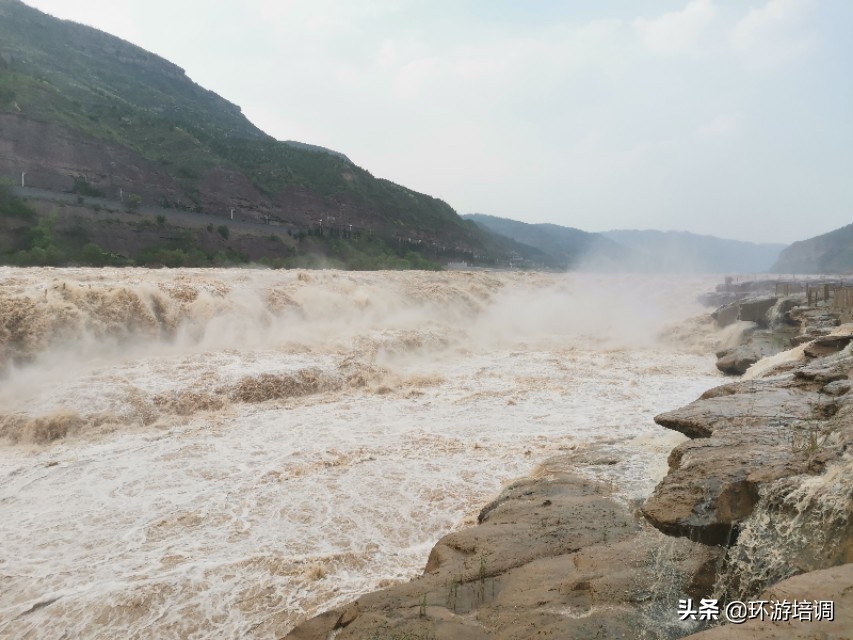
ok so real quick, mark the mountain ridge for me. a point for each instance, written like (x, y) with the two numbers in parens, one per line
(81, 107)
(86, 113)
(687, 251)
(830, 252)
(634, 250)
(568, 246)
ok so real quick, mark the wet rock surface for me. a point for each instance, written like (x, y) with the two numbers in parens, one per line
(761, 492)
(776, 325)
(757, 344)
(815, 322)
(774, 322)
(747, 434)
(833, 585)
(826, 345)
(554, 556)
(730, 291)
(747, 310)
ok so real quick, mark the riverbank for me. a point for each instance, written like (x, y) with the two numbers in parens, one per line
(759, 493)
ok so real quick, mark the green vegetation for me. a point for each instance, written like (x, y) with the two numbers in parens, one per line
(42, 240)
(92, 255)
(63, 238)
(810, 437)
(110, 91)
(366, 253)
(156, 256)
(82, 186)
(7, 97)
(11, 206)
(42, 248)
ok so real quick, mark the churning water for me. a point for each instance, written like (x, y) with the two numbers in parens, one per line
(195, 453)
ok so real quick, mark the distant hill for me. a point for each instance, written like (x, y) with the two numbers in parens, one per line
(828, 253)
(87, 113)
(569, 248)
(678, 251)
(647, 251)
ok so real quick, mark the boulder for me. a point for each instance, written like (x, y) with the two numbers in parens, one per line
(735, 361)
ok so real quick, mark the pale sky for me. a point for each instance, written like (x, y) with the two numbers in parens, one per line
(725, 117)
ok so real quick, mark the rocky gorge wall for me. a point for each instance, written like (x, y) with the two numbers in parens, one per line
(53, 156)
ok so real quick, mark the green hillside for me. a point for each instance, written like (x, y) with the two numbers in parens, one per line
(132, 122)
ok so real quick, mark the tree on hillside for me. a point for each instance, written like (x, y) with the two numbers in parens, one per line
(133, 203)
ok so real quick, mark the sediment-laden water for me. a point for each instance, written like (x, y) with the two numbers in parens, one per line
(197, 453)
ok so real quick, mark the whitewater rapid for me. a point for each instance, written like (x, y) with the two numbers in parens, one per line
(223, 453)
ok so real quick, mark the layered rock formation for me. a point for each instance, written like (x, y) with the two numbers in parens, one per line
(748, 434)
(767, 325)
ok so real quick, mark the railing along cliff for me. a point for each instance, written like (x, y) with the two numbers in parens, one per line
(843, 303)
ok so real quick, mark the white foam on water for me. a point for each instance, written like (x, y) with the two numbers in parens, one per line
(798, 526)
(768, 364)
(280, 442)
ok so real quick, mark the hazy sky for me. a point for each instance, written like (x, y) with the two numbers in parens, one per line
(726, 117)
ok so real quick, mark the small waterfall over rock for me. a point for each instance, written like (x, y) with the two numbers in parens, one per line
(800, 524)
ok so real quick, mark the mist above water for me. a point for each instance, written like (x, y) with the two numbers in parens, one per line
(197, 452)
